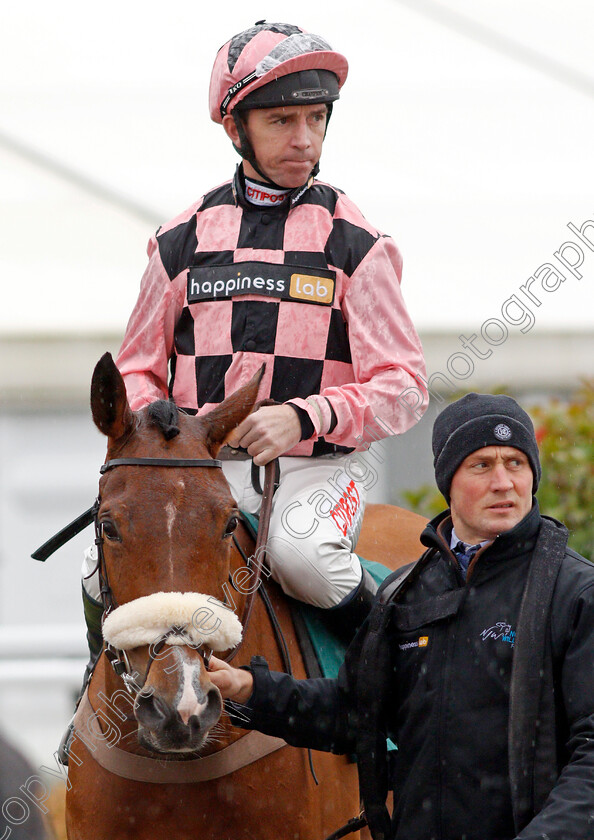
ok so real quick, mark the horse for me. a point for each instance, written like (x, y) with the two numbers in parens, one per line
(153, 755)
(23, 795)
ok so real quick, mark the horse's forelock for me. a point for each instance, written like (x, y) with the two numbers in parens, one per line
(164, 414)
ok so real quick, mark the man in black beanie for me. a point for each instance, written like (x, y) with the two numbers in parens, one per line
(479, 420)
(487, 468)
(477, 661)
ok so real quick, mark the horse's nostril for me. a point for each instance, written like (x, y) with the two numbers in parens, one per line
(150, 711)
(213, 698)
(214, 705)
(194, 725)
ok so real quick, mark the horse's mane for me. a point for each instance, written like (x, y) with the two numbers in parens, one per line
(164, 414)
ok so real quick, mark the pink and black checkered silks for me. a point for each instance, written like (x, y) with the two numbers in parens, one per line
(313, 291)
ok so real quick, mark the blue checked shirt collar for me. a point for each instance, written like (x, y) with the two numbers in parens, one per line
(463, 551)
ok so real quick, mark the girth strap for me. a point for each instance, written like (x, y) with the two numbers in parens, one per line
(354, 824)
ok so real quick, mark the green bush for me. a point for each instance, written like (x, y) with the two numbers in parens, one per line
(565, 435)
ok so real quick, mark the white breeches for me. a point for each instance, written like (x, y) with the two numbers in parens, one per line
(316, 517)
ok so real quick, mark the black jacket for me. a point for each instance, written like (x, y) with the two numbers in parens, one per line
(447, 700)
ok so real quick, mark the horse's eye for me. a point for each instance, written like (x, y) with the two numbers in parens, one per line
(109, 531)
(231, 525)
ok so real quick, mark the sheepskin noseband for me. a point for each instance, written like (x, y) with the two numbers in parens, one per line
(203, 619)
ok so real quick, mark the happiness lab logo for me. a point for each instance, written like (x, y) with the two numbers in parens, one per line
(421, 642)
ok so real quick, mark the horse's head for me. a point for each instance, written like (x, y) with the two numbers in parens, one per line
(165, 534)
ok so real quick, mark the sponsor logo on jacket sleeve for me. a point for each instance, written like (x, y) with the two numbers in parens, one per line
(421, 642)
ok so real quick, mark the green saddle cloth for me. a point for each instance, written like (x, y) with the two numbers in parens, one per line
(329, 650)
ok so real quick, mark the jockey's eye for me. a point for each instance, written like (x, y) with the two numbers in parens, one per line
(109, 531)
(231, 525)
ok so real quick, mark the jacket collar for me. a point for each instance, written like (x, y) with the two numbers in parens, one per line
(518, 540)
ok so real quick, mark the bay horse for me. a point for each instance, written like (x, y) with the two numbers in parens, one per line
(153, 755)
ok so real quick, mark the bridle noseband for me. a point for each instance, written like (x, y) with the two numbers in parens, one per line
(120, 661)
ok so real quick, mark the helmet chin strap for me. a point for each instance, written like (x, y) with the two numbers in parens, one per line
(246, 151)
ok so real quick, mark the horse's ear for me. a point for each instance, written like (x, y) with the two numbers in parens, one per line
(221, 421)
(109, 403)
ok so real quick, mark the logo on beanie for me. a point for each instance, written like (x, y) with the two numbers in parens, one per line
(502, 432)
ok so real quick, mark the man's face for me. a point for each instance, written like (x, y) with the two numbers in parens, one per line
(490, 493)
(287, 141)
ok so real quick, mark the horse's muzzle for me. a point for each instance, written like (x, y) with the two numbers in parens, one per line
(178, 705)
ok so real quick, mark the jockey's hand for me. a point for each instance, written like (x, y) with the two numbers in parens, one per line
(233, 683)
(267, 433)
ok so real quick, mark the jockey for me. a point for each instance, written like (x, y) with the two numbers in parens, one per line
(275, 267)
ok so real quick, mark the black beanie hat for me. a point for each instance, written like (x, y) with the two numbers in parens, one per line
(475, 421)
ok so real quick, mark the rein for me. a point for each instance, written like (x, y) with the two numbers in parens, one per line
(270, 485)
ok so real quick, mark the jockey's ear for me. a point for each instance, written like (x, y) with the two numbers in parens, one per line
(109, 403)
(220, 422)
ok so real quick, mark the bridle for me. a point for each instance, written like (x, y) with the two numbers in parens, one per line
(107, 597)
(119, 659)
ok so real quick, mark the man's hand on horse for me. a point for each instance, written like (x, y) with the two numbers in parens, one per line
(267, 433)
(233, 683)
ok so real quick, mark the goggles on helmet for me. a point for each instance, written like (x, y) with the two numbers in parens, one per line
(274, 64)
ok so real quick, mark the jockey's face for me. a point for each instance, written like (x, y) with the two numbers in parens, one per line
(491, 492)
(286, 140)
